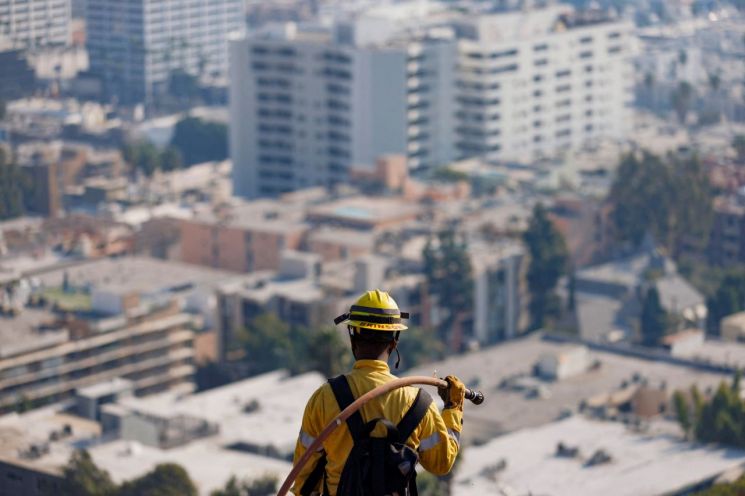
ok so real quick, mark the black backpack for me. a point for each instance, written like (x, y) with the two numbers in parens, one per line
(376, 466)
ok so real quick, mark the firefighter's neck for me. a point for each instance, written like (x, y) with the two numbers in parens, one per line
(359, 355)
(370, 353)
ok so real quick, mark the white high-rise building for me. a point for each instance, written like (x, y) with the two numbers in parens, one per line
(533, 83)
(306, 103)
(135, 46)
(415, 79)
(35, 23)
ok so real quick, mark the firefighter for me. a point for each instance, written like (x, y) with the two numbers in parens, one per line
(374, 323)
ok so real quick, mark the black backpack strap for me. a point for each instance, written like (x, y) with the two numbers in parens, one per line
(344, 397)
(319, 471)
(414, 415)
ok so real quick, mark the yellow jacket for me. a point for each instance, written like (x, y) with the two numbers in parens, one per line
(436, 437)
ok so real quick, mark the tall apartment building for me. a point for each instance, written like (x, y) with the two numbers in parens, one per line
(35, 23)
(306, 104)
(532, 83)
(135, 46)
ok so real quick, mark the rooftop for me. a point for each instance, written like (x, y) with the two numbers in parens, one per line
(367, 212)
(654, 463)
(134, 274)
(511, 410)
(277, 403)
(209, 465)
(281, 401)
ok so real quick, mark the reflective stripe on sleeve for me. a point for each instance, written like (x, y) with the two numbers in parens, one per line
(306, 439)
(429, 442)
(455, 435)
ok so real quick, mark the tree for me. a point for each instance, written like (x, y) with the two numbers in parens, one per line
(166, 479)
(170, 159)
(715, 81)
(682, 412)
(419, 346)
(681, 100)
(266, 485)
(270, 344)
(682, 57)
(266, 342)
(11, 186)
(184, 86)
(670, 199)
(326, 352)
(142, 155)
(210, 375)
(738, 143)
(81, 477)
(721, 419)
(263, 486)
(430, 485)
(729, 298)
(736, 488)
(648, 80)
(200, 141)
(447, 268)
(653, 318)
(549, 260)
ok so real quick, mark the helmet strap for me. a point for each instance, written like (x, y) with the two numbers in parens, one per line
(398, 358)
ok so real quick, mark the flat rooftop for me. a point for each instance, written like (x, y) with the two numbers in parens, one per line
(210, 461)
(365, 211)
(209, 465)
(506, 410)
(134, 275)
(19, 432)
(642, 464)
(22, 332)
(281, 402)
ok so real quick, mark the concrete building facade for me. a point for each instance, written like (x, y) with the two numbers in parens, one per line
(134, 47)
(532, 83)
(307, 104)
(433, 85)
(35, 23)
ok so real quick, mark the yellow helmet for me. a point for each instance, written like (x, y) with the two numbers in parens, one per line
(375, 310)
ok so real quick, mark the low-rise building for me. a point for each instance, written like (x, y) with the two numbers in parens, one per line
(76, 326)
(535, 401)
(580, 456)
(500, 293)
(608, 297)
(247, 429)
(732, 327)
(244, 239)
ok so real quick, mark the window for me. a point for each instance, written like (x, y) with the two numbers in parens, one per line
(540, 62)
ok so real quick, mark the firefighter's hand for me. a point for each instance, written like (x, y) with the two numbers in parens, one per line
(454, 394)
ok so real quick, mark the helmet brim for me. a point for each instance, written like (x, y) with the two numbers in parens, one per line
(377, 327)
